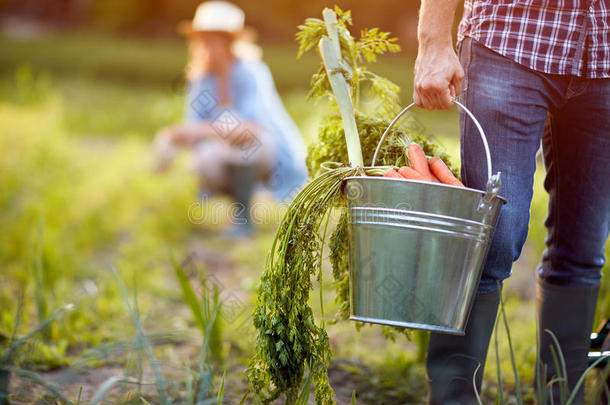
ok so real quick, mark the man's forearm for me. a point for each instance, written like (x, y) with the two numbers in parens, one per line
(436, 22)
(438, 73)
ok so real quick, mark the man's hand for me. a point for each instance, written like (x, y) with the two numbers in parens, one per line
(438, 73)
(438, 77)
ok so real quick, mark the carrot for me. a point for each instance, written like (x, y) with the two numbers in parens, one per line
(409, 173)
(434, 170)
(442, 172)
(419, 162)
(392, 173)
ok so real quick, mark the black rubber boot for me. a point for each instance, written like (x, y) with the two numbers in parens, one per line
(241, 182)
(452, 360)
(568, 312)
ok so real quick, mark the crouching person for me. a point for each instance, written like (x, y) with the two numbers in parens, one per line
(236, 125)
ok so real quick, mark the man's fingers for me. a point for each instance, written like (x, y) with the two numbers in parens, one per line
(428, 93)
(433, 99)
(417, 100)
(457, 80)
(455, 88)
(423, 99)
(445, 99)
(452, 91)
(429, 102)
(438, 77)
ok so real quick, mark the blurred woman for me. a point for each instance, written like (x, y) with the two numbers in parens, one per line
(235, 123)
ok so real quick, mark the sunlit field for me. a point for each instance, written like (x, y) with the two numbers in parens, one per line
(115, 286)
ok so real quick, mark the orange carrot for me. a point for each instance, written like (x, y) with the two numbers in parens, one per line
(442, 172)
(409, 173)
(392, 173)
(419, 162)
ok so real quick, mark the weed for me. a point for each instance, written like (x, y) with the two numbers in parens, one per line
(542, 389)
(203, 312)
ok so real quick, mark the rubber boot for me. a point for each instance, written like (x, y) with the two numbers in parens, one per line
(452, 360)
(241, 182)
(567, 312)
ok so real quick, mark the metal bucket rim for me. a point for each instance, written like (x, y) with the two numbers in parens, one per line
(410, 325)
(426, 183)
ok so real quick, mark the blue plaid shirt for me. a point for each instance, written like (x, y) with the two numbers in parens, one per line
(255, 99)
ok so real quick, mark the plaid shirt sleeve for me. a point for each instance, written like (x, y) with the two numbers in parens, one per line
(567, 37)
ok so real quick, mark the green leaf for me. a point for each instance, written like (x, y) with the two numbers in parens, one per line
(221, 389)
(189, 295)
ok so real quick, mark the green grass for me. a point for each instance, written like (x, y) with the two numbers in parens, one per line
(78, 114)
(115, 85)
(97, 57)
(159, 63)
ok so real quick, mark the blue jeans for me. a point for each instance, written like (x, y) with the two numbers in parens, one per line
(519, 108)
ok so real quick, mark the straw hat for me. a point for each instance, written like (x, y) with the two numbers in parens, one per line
(222, 16)
(216, 15)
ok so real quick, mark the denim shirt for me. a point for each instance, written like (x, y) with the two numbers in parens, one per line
(255, 99)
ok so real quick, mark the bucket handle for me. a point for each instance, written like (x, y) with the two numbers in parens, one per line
(466, 110)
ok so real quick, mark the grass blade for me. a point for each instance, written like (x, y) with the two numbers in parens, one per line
(204, 387)
(189, 295)
(221, 389)
(303, 398)
(139, 355)
(499, 367)
(202, 311)
(541, 388)
(560, 367)
(80, 393)
(206, 381)
(474, 384)
(36, 246)
(7, 355)
(143, 340)
(109, 384)
(541, 372)
(38, 379)
(512, 353)
(190, 397)
(581, 380)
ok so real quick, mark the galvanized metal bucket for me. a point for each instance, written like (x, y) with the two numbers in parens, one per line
(416, 249)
